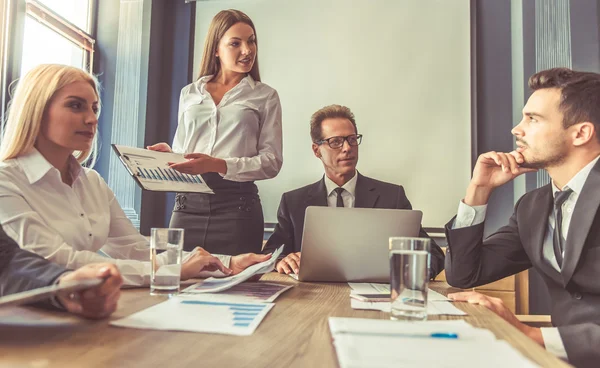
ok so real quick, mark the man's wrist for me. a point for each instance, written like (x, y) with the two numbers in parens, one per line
(55, 300)
(477, 195)
(533, 333)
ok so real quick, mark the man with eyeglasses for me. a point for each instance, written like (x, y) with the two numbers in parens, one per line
(335, 142)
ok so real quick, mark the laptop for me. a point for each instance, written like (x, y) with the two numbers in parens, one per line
(352, 244)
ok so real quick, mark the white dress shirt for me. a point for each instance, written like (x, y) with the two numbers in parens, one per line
(470, 216)
(69, 225)
(348, 195)
(244, 129)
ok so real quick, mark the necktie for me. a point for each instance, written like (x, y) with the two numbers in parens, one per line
(340, 201)
(557, 241)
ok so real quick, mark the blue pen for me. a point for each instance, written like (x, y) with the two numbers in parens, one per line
(433, 335)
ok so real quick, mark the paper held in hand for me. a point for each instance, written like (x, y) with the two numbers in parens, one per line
(213, 285)
(151, 171)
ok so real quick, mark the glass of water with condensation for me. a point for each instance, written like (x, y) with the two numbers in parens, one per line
(166, 246)
(409, 277)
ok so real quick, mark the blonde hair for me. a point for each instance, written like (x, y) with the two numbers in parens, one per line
(224, 19)
(28, 106)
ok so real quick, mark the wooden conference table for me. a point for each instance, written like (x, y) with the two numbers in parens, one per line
(295, 333)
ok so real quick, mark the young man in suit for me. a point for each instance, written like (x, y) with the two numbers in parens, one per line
(21, 270)
(554, 229)
(335, 142)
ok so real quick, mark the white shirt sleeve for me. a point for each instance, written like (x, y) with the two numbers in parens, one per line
(28, 229)
(469, 216)
(269, 160)
(179, 139)
(553, 342)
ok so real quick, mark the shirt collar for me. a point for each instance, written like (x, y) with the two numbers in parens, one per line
(350, 185)
(576, 183)
(250, 81)
(203, 80)
(35, 166)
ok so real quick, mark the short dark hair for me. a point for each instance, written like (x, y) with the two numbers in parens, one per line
(579, 94)
(328, 112)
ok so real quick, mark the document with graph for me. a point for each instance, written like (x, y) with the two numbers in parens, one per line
(199, 315)
(150, 169)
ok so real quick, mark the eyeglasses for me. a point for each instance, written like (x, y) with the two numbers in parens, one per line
(338, 142)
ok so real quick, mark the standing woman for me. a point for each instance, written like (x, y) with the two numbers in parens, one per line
(229, 127)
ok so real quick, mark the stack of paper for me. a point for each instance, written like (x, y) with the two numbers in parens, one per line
(433, 308)
(374, 288)
(197, 315)
(264, 292)
(380, 343)
(437, 304)
(213, 285)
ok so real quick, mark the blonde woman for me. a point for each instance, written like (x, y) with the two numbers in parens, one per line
(229, 127)
(50, 204)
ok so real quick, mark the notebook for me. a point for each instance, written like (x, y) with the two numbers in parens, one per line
(151, 171)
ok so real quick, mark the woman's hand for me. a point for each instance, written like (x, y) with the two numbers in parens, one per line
(200, 261)
(160, 147)
(199, 163)
(240, 262)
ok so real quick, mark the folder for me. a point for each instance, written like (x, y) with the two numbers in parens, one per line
(151, 171)
(47, 292)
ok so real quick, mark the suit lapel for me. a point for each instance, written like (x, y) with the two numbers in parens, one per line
(317, 195)
(581, 222)
(537, 226)
(366, 193)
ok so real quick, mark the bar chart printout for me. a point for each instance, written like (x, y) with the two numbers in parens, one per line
(151, 170)
(265, 292)
(197, 315)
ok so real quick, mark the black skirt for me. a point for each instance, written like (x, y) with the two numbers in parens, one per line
(227, 222)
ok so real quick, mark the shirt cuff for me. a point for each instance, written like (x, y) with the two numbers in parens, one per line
(232, 168)
(54, 299)
(553, 342)
(469, 216)
(226, 260)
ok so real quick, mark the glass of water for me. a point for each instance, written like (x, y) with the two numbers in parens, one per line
(409, 277)
(166, 246)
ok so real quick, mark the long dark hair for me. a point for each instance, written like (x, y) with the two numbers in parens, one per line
(218, 26)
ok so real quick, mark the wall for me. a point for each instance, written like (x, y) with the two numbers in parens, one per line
(403, 67)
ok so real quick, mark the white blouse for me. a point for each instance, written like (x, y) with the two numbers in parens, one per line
(67, 225)
(244, 129)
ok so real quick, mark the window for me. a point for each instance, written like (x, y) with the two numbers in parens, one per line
(34, 32)
(57, 31)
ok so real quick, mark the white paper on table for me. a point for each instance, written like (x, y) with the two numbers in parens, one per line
(374, 288)
(382, 343)
(435, 308)
(263, 292)
(371, 351)
(343, 325)
(188, 314)
(369, 288)
(213, 285)
(434, 296)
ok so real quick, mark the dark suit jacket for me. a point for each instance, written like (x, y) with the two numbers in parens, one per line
(21, 270)
(370, 193)
(575, 292)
